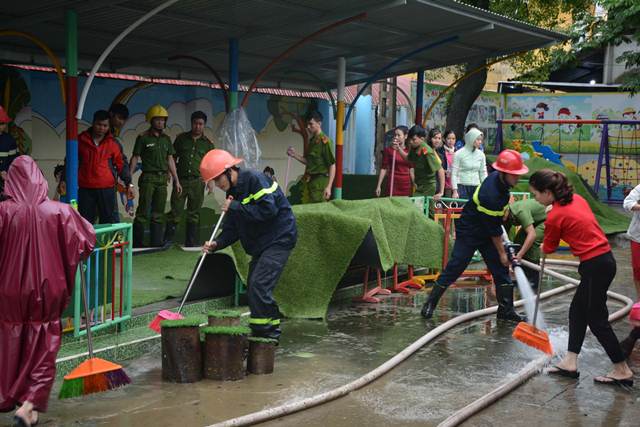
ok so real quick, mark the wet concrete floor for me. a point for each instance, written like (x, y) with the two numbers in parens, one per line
(316, 356)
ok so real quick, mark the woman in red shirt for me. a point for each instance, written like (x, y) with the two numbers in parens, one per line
(571, 220)
(402, 172)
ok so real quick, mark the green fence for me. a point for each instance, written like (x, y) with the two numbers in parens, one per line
(108, 280)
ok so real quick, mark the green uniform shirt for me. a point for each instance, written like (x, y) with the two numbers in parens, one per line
(320, 155)
(189, 154)
(153, 150)
(425, 164)
(529, 212)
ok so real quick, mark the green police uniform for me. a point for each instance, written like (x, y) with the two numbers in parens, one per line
(189, 153)
(524, 213)
(425, 164)
(152, 185)
(316, 175)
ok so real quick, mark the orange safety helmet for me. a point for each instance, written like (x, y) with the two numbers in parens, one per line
(510, 161)
(215, 162)
(4, 117)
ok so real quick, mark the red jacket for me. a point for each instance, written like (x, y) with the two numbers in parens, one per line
(96, 163)
(575, 224)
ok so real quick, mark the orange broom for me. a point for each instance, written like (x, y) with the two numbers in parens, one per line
(93, 375)
(528, 333)
(170, 315)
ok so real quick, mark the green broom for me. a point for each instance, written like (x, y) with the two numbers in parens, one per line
(94, 375)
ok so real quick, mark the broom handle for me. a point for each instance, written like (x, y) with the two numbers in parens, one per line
(86, 311)
(195, 275)
(286, 177)
(535, 311)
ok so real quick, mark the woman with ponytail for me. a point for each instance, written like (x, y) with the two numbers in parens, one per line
(571, 220)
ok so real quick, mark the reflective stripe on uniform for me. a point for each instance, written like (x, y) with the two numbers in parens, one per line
(484, 210)
(263, 321)
(8, 153)
(260, 193)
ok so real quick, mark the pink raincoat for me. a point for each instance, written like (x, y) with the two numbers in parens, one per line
(41, 244)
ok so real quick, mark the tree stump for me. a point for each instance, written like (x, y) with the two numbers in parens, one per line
(181, 351)
(225, 349)
(224, 318)
(262, 353)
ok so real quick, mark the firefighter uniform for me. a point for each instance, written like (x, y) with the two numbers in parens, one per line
(261, 218)
(319, 158)
(152, 185)
(524, 213)
(426, 164)
(188, 153)
(481, 220)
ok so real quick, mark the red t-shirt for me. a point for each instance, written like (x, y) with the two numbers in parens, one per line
(575, 224)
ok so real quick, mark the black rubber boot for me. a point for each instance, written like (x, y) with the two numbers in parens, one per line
(504, 295)
(429, 307)
(169, 233)
(156, 235)
(138, 235)
(191, 236)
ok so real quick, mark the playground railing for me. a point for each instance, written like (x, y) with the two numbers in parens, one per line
(108, 280)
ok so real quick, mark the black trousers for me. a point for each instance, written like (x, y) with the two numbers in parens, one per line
(589, 307)
(264, 272)
(97, 203)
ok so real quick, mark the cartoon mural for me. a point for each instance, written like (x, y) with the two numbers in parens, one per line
(39, 112)
(577, 145)
(15, 97)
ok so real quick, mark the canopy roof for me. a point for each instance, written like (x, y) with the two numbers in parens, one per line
(266, 28)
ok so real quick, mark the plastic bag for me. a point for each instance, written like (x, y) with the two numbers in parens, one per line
(236, 135)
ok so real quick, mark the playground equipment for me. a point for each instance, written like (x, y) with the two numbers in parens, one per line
(108, 281)
(585, 146)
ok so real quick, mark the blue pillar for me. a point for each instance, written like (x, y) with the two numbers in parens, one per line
(71, 27)
(419, 97)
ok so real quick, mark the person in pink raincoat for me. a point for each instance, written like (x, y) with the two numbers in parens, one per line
(41, 244)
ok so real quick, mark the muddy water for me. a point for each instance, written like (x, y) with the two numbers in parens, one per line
(314, 357)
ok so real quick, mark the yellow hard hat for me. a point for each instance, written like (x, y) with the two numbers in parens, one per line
(156, 111)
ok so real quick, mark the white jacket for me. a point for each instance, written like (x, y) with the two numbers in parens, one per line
(629, 202)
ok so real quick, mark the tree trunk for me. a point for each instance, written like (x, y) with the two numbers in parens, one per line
(463, 97)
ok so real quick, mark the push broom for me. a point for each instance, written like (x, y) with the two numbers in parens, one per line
(529, 334)
(94, 375)
(170, 315)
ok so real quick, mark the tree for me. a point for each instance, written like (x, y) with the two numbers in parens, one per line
(545, 13)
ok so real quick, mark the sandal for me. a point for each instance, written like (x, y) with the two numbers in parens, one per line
(622, 383)
(563, 372)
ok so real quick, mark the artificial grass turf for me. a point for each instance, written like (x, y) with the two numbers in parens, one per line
(161, 275)
(226, 330)
(187, 322)
(609, 219)
(329, 235)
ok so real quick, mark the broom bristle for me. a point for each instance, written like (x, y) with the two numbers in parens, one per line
(93, 376)
(533, 337)
(71, 388)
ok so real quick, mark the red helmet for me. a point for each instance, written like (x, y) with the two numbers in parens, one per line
(510, 161)
(215, 162)
(4, 117)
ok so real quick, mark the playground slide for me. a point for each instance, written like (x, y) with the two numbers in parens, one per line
(547, 152)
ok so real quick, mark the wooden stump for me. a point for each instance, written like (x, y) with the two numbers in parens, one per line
(181, 354)
(224, 318)
(225, 349)
(261, 355)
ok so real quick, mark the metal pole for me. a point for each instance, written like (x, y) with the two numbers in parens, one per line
(604, 140)
(71, 27)
(419, 97)
(233, 73)
(342, 71)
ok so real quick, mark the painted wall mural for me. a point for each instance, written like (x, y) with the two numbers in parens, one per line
(578, 145)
